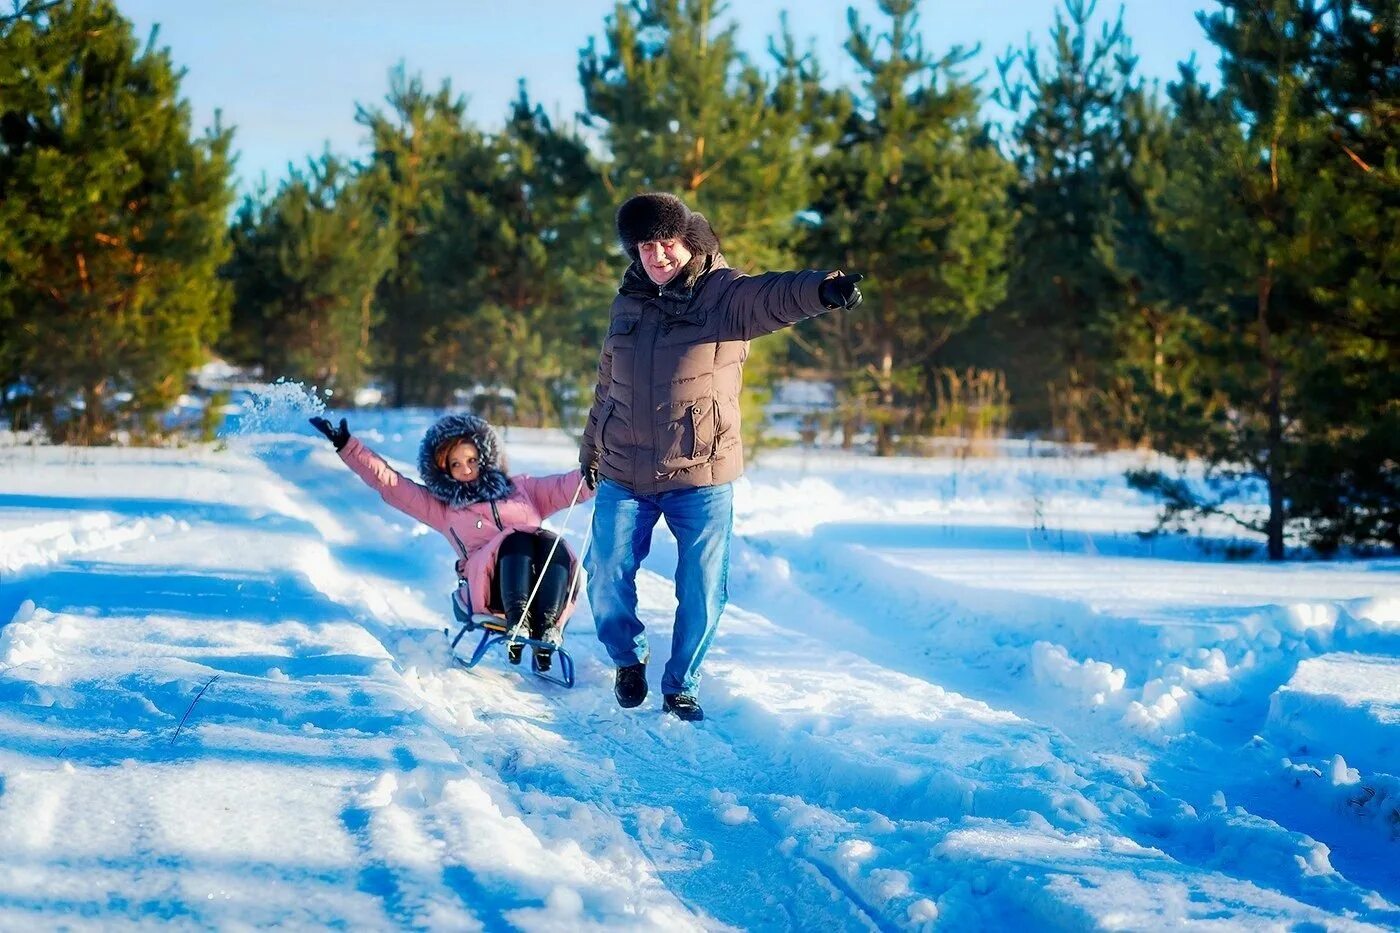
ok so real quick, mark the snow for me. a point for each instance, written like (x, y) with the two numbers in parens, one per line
(1347, 702)
(948, 692)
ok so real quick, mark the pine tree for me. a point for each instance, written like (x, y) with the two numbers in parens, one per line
(111, 218)
(1064, 301)
(914, 194)
(1349, 488)
(681, 109)
(527, 321)
(1283, 204)
(502, 253)
(1145, 342)
(419, 144)
(305, 266)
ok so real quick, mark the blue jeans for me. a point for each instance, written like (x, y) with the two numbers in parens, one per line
(702, 521)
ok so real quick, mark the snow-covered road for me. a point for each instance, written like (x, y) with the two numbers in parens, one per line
(955, 693)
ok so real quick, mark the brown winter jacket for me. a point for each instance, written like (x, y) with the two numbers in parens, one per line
(665, 412)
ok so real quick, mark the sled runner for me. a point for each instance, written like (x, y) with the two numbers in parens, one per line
(494, 629)
(494, 632)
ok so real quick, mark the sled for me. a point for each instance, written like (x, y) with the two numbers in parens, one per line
(493, 627)
(493, 632)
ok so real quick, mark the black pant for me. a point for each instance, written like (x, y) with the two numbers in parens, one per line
(520, 562)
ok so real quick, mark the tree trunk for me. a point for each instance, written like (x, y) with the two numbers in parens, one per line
(400, 377)
(363, 349)
(1274, 466)
(884, 429)
(93, 423)
(1276, 471)
(1159, 357)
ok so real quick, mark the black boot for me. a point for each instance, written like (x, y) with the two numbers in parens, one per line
(516, 627)
(683, 706)
(544, 626)
(544, 658)
(631, 685)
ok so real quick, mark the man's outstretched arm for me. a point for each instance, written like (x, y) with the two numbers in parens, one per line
(755, 305)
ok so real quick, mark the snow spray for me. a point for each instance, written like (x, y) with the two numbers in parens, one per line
(277, 408)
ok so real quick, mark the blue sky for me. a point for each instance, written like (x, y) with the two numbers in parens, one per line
(288, 73)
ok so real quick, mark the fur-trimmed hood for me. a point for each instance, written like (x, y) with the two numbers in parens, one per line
(492, 483)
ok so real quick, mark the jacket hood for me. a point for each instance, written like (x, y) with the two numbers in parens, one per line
(492, 482)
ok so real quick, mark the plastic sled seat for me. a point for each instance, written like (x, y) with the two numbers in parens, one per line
(493, 633)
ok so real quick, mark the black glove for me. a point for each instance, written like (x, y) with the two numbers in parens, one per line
(590, 476)
(840, 291)
(339, 436)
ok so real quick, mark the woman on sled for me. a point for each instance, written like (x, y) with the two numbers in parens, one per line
(491, 518)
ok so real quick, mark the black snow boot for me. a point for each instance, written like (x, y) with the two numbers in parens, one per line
(516, 627)
(543, 628)
(683, 706)
(631, 685)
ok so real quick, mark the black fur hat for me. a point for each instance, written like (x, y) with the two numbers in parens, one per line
(492, 481)
(658, 216)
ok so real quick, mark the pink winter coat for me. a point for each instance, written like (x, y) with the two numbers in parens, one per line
(529, 504)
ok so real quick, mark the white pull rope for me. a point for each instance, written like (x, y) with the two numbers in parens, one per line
(578, 570)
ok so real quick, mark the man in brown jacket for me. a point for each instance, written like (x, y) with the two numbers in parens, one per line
(662, 438)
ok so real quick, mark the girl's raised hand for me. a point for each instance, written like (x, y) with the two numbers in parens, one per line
(339, 436)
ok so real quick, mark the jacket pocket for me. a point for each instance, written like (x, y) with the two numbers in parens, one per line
(601, 440)
(724, 431)
(688, 436)
(700, 446)
(622, 325)
(621, 341)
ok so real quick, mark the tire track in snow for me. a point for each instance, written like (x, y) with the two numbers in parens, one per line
(651, 779)
(765, 782)
(656, 783)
